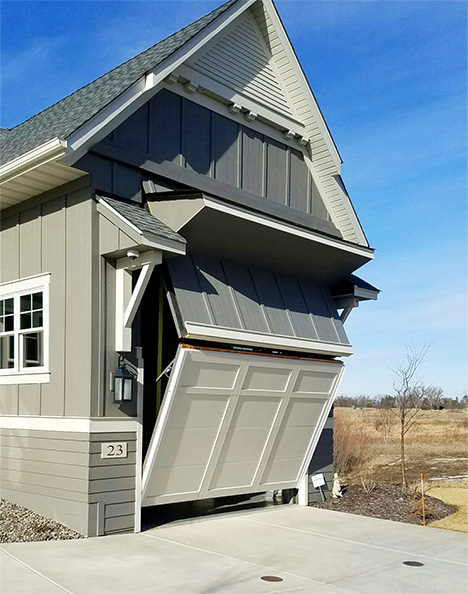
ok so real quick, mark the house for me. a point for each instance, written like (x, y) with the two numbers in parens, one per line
(176, 243)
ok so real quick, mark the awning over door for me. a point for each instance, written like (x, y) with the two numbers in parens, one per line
(235, 423)
(236, 304)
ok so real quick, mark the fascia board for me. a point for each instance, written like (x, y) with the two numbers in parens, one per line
(310, 235)
(199, 331)
(346, 201)
(111, 116)
(365, 294)
(351, 214)
(49, 151)
(279, 28)
(143, 89)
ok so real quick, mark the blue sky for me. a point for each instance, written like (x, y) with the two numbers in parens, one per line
(390, 78)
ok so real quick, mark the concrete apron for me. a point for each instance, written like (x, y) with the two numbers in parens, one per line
(311, 550)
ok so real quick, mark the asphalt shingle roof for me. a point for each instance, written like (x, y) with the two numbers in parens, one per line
(141, 218)
(66, 116)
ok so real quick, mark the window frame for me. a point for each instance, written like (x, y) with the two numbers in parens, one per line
(20, 373)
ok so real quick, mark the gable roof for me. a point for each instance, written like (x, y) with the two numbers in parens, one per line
(66, 116)
(138, 216)
(57, 137)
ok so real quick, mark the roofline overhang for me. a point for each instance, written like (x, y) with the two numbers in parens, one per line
(35, 172)
(269, 221)
(315, 236)
(49, 151)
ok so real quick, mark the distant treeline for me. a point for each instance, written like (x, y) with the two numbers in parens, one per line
(433, 399)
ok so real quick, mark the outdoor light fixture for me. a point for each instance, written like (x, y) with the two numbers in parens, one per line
(123, 383)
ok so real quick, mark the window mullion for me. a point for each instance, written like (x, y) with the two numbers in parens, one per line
(16, 305)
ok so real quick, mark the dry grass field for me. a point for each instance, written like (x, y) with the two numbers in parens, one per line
(367, 448)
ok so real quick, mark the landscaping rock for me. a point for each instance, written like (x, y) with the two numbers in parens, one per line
(19, 524)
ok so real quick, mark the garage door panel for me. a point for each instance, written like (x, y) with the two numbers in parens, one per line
(233, 475)
(313, 382)
(244, 443)
(209, 375)
(198, 410)
(258, 432)
(266, 379)
(187, 446)
(304, 412)
(173, 480)
(291, 442)
(255, 411)
(281, 471)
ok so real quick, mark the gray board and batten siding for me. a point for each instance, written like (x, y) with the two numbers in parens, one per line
(227, 295)
(55, 233)
(173, 129)
(61, 475)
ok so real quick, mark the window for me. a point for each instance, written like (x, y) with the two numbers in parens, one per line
(24, 327)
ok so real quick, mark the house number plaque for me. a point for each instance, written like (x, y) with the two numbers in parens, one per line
(115, 449)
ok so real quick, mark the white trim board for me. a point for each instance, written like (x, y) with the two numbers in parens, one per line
(71, 424)
(218, 334)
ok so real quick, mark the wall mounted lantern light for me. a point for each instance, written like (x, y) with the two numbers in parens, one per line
(123, 381)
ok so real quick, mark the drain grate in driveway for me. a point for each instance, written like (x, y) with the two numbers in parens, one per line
(271, 578)
(413, 563)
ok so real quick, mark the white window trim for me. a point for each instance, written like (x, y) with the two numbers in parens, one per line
(15, 289)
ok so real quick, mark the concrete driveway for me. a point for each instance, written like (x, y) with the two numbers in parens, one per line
(311, 550)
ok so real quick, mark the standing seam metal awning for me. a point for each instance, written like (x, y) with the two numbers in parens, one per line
(229, 302)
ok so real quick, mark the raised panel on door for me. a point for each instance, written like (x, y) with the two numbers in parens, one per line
(235, 423)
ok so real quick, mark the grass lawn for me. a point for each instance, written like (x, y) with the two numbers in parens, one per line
(453, 496)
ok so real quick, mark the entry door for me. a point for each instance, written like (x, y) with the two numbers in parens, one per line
(236, 423)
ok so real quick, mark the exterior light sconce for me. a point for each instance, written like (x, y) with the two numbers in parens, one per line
(122, 383)
(235, 108)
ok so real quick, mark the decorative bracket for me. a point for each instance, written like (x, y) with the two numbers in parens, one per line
(127, 301)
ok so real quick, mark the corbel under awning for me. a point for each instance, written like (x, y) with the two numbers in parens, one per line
(349, 292)
(128, 300)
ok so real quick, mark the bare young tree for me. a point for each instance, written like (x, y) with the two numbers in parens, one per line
(409, 394)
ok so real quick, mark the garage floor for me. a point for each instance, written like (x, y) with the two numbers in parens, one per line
(311, 550)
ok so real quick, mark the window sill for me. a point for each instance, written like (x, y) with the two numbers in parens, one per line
(25, 378)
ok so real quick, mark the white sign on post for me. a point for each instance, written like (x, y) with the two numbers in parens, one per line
(318, 480)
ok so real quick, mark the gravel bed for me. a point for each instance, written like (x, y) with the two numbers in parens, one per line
(19, 524)
(388, 502)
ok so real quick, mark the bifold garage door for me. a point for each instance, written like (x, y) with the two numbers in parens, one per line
(236, 423)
